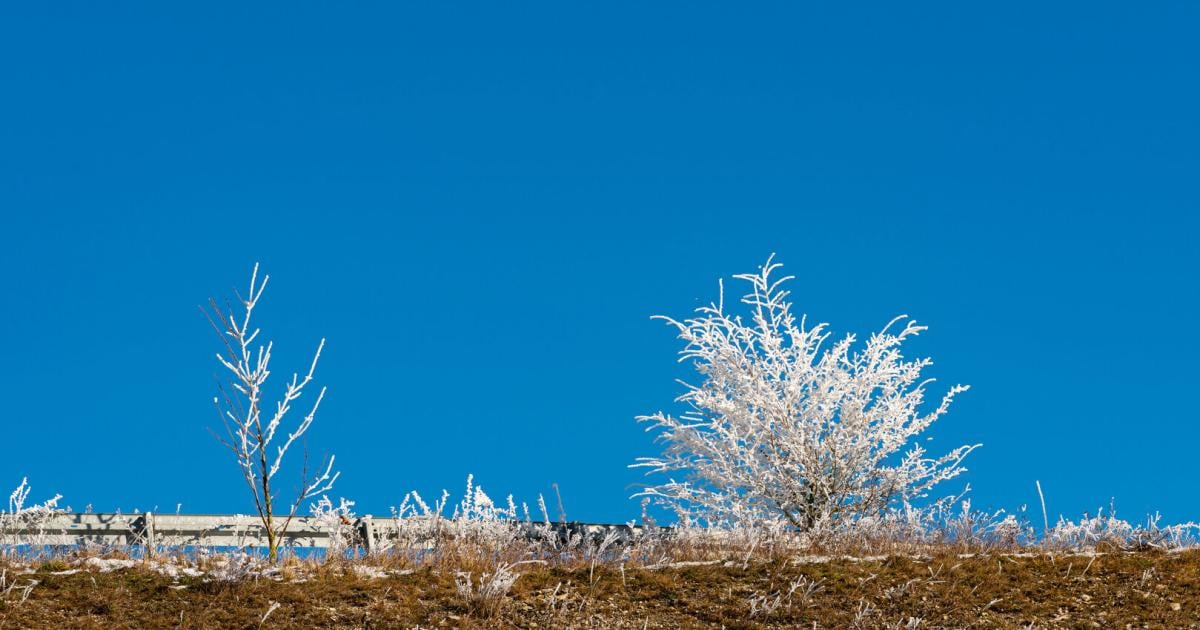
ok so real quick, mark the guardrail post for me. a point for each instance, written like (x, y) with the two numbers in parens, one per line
(143, 527)
(366, 531)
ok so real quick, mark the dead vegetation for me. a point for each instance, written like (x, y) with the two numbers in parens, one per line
(1035, 590)
(945, 565)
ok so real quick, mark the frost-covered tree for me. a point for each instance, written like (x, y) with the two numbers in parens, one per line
(782, 428)
(250, 433)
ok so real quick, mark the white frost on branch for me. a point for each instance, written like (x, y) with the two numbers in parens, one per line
(22, 523)
(17, 507)
(782, 428)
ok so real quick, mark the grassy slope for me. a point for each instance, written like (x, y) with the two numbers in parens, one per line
(1161, 590)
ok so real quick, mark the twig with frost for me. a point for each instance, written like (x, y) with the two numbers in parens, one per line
(765, 605)
(274, 606)
(7, 589)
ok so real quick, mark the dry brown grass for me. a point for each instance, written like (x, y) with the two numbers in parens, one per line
(1117, 590)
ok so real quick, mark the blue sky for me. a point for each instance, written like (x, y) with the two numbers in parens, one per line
(480, 207)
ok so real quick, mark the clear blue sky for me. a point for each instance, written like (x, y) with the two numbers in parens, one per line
(482, 206)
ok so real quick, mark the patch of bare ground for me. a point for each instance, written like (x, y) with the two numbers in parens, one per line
(1116, 590)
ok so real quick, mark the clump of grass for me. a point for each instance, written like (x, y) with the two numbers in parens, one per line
(486, 596)
(13, 590)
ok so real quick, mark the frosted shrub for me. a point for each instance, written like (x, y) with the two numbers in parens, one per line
(1101, 531)
(701, 538)
(947, 522)
(31, 513)
(20, 517)
(486, 595)
(416, 523)
(476, 520)
(983, 530)
(338, 520)
(234, 566)
(782, 428)
(1089, 532)
(479, 519)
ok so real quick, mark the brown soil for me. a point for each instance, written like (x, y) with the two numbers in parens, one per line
(1117, 590)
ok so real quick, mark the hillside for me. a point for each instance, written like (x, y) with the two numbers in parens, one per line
(1114, 590)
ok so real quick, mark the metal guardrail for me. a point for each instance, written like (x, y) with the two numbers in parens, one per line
(226, 530)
